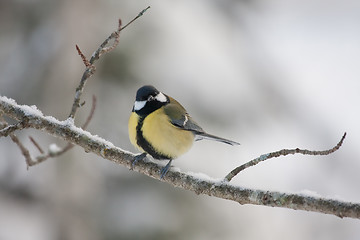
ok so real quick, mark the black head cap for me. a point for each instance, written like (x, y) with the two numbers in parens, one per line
(144, 92)
(149, 99)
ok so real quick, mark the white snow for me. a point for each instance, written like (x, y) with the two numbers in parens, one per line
(53, 148)
(314, 194)
(80, 131)
(68, 123)
(53, 120)
(203, 177)
(7, 100)
(309, 193)
(31, 110)
(28, 110)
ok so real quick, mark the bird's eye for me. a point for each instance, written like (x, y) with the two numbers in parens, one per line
(151, 98)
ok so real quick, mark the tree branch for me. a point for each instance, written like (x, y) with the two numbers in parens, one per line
(59, 151)
(90, 68)
(54, 151)
(199, 184)
(7, 130)
(30, 117)
(282, 152)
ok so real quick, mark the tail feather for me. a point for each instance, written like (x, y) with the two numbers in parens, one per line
(200, 136)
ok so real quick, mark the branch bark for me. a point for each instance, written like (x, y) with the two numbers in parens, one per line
(30, 117)
(199, 184)
(282, 152)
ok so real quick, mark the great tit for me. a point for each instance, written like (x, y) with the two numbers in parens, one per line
(161, 127)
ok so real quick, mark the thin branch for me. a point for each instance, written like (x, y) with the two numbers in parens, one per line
(85, 61)
(23, 149)
(36, 144)
(91, 114)
(50, 154)
(139, 15)
(24, 123)
(90, 68)
(282, 152)
(197, 184)
(9, 129)
(67, 131)
(116, 36)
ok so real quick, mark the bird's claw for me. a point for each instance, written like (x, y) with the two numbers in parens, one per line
(165, 169)
(137, 158)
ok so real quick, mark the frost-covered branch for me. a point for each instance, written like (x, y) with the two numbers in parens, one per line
(9, 129)
(54, 151)
(31, 117)
(198, 183)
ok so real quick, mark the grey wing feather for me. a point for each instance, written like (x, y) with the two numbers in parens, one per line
(204, 135)
(180, 118)
(187, 123)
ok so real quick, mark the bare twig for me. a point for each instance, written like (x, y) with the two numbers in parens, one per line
(67, 131)
(90, 69)
(139, 15)
(85, 61)
(23, 149)
(91, 114)
(36, 144)
(116, 36)
(199, 185)
(9, 129)
(282, 152)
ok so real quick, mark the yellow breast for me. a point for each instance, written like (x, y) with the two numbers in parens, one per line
(164, 137)
(133, 121)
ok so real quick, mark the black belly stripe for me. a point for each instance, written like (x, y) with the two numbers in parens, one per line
(144, 144)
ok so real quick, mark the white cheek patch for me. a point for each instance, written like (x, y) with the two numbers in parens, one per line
(139, 105)
(161, 97)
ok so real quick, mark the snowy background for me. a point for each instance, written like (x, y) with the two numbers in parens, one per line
(269, 74)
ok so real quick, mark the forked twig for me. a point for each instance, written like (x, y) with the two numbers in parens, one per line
(192, 182)
(85, 61)
(52, 154)
(90, 68)
(9, 129)
(282, 152)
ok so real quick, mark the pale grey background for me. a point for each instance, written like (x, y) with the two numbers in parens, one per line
(269, 74)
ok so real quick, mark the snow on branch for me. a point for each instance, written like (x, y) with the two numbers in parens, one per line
(30, 117)
(198, 183)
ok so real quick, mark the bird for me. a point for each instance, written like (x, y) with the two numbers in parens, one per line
(161, 127)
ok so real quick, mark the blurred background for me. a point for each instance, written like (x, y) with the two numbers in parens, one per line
(269, 74)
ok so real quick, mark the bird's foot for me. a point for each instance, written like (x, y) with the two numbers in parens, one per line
(137, 158)
(165, 169)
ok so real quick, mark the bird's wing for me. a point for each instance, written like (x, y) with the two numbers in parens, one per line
(180, 118)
